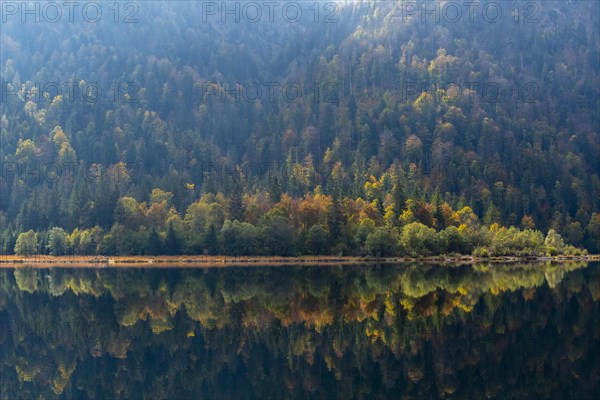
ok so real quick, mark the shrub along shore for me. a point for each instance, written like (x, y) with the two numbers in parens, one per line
(320, 232)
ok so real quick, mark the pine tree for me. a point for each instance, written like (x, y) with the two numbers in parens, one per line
(380, 208)
(155, 245)
(335, 220)
(211, 241)
(79, 206)
(275, 189)
(436, 202)
(172, 242)
(236, 204)
(399, 198)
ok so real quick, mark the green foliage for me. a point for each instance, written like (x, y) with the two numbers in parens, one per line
(512, 241)
(129, 213)
(382, 242)
(210, 241)
(173, 245)
(366, 227)
(112, 243)
(317, 241)
(593, 234)
(160, 196)
(277, 235)
(239, 238)
(57, 243)
(27, 244)
(452, 240)
(554, 242)
(295, 226)
(417, 239)
(154, 244)
(87, 241)
(574, 233)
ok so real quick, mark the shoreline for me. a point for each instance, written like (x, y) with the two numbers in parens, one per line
(249, 261)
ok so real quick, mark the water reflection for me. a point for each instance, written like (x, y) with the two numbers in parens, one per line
(487, 331)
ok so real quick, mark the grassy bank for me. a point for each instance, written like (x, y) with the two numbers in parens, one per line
(46, 261)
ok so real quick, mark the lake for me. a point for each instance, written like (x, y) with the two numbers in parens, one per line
(413, 331)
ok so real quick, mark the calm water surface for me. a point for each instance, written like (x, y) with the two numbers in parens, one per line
(388, 331)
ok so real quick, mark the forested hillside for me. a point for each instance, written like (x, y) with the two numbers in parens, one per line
(328, 127)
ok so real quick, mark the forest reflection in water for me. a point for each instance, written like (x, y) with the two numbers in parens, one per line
(369, 331)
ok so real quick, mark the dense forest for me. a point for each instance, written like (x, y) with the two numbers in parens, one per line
(319, 128)
(378, 332)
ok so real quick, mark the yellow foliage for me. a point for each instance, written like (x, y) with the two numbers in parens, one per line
(389, 307)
